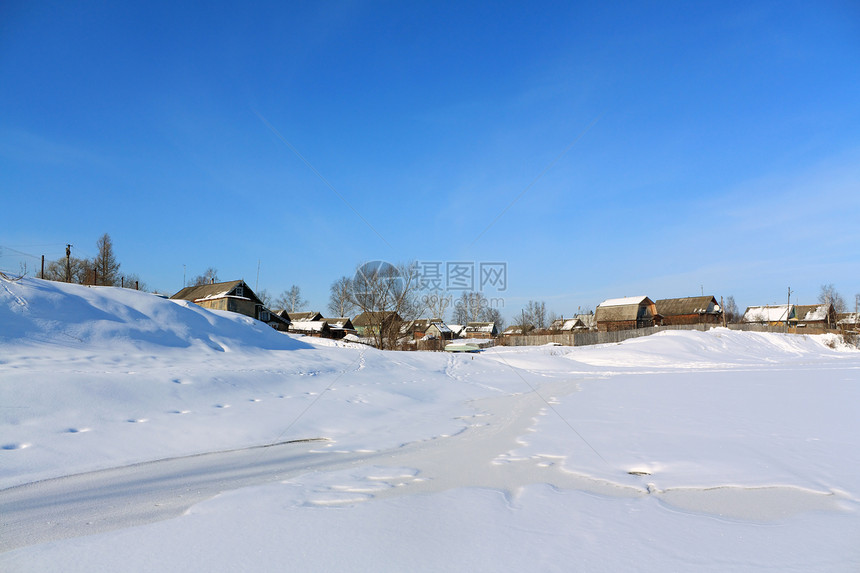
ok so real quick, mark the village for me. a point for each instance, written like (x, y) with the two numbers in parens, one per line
(614, 320)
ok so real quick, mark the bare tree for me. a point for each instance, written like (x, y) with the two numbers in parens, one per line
(291, 300)
(437, 304)
(104, 266)
(339, 301)
(386, 294)
(208, 277)
(536, 311)
(828, 295)
(78, 269)
(731, 312)
(265, 298)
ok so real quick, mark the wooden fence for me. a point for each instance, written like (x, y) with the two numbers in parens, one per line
(588, 338)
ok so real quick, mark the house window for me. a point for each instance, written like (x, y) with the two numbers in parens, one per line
(264, 315)
(240, 290)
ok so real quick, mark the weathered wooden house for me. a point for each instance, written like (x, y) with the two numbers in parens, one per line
(233, 296)
(814, 316)
(369, 323)
(457, 329)
(579, 323)
(848, 321)
(626, 313)
(275, 320)
(315, 328)
(304, 316)
(481, 330)
(438, 331)
(772, 315)
(339, 327)
(690, 310)
(518, 330)
(416, 329)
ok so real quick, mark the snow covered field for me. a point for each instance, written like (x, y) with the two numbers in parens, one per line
(131, 426)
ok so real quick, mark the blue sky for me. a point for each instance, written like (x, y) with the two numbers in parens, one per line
(598, 150)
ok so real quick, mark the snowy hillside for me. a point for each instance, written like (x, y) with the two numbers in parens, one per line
(131, 426)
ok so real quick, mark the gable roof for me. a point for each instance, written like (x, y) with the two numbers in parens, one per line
(309, 326)
(339, 323)
(812, 312)
(215, 291)
(304, 316)
(484, 327)
(375, 317)
(627, 300)
(772, 313)
(688, 305)
(621, 309)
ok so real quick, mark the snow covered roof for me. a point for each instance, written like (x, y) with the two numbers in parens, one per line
(217, 290)
(637, 300)
(812, 312)
(687, 305)
(441, 327)
(773, 313)
(304, 316)
(482, 327)
(340, 323)
(313, 326)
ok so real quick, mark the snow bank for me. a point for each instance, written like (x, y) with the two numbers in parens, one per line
(76, 316)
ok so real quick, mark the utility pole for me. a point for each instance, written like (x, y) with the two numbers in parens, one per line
(68, 263)
(257, 284)
(788, 309)
(183, 276)
(41, 276)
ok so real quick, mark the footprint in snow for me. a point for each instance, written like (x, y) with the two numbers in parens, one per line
(180, 411)
(137, 420)
(181, 381)
(15, 446)
(222, 405)
(77, 430)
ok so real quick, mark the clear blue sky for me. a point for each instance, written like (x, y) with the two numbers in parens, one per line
(715, 146)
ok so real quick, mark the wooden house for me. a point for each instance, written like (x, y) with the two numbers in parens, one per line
(773, 315)
(339, 327)
(315, 328)
(416, 329)
(578, 323)
(626, 313)
(232, 296)
(690, 310)
(518, 330)
(276, 321)
(304, 316)
(368, 323)
(438, 331)
(848, 321)
(481, 330)
(457, 330)
(814, 315)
